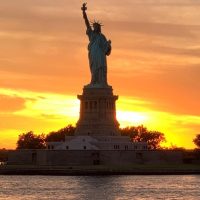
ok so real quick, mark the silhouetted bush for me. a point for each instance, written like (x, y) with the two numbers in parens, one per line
(58, 136)
(141, 134)
(30, 140)
(197, 140)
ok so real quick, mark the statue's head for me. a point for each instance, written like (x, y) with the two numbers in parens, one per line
(97, 26)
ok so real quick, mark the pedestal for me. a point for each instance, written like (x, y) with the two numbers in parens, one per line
(97, 112)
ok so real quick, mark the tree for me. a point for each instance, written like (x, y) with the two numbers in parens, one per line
(141, 134)
(58, 136)
(197, 140)
(30, 140)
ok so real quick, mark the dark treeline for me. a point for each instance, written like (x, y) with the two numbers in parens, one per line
(197, 140)
(58, 136)
(140, 133)
(30, 140)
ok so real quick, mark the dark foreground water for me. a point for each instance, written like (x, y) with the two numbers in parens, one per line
(99, 187)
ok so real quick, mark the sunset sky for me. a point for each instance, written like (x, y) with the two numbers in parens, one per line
(154, 66)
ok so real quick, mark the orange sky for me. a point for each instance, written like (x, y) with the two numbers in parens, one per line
(154, 66)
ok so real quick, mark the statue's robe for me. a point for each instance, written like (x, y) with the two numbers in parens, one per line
(98, 48)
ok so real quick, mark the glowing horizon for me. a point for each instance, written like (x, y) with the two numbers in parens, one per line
(154, 66)
(57, 111)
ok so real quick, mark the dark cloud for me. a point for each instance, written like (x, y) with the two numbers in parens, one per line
(51, 116)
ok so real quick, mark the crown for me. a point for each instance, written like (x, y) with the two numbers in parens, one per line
(96, 22)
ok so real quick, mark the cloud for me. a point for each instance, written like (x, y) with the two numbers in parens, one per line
(11, 104)
(37, 105)
(156, 29)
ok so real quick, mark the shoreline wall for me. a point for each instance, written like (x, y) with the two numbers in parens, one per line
(92, 157)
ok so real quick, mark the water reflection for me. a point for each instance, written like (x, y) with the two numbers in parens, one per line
(99, 187)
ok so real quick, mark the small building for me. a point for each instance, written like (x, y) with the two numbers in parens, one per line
(97, 143)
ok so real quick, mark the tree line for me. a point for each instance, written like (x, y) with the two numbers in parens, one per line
(154, 139)
(30, 140)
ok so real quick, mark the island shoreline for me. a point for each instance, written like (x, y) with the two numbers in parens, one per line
(98, 171)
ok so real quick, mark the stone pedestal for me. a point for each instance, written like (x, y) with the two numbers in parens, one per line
(97, 112)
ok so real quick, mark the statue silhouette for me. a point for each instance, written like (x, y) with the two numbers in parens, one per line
(98, 49)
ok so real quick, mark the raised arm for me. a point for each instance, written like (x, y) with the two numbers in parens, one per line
(87, 23)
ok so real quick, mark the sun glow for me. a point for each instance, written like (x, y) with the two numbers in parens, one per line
(128, 118)
(45, 112)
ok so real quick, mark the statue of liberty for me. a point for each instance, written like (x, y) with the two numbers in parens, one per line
(98, 49)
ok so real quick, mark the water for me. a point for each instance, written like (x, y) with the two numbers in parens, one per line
(99, 187)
